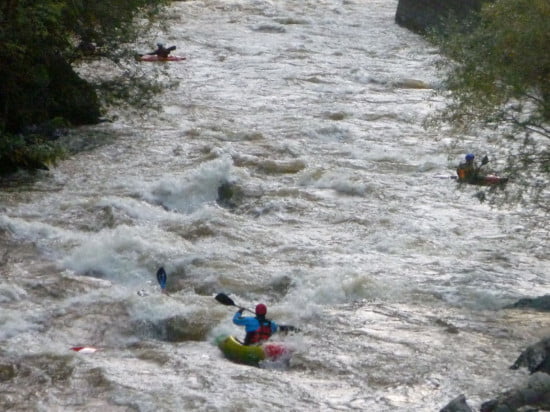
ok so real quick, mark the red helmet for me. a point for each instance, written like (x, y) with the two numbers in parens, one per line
(261, 309)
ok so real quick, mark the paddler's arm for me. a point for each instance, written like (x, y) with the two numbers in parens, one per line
(484, 161)
(238, 318)
(250, 324)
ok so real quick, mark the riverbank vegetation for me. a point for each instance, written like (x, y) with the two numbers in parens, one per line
(498, 75)
(41, 43)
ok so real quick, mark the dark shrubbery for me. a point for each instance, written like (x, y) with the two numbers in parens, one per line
(39, 41)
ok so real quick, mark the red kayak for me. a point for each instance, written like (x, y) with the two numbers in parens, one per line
(155, 58)
(487, 180)
(492, 180)
(84, 349)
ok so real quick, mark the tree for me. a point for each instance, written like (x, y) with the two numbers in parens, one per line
(498, 75)
(40, 43)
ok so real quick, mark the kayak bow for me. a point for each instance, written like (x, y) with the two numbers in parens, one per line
(251, 354)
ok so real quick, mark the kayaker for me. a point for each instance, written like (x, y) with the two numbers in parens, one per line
(258, 328)
(468, 171)
(162, 51)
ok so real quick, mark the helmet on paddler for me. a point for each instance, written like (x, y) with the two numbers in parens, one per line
(261, 309)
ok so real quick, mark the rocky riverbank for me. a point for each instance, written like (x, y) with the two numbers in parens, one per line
(534, 394)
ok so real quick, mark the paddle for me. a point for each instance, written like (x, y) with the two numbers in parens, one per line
(227, 301)
(484, 161)
(161, 277)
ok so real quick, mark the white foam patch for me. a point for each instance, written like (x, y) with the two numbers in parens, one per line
(38, 232)
(125, 254)
(187, 193)
(11, 293)
(13, 323)
(158, 306)
(340, 286)
(140, 210)
(341, 180)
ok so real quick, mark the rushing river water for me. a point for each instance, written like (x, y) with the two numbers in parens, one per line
(313, 110)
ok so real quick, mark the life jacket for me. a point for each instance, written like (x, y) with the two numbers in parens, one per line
(260, 334)
(465, 171)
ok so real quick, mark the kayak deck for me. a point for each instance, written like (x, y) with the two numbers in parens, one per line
(486, 180)
(155, 58)
(250, 354)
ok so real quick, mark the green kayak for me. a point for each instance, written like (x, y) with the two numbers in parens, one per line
(251, 354)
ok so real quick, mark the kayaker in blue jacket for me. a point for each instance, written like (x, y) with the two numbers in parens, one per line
(258, 328)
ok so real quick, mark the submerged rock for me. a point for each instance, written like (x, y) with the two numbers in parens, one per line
(536, 358)
(541, 303)
(226, 192)
(411, 84)
(536, 394)
(174, 329)
(7, 372)
(458, 404)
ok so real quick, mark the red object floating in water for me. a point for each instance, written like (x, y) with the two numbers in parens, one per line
(84, 349)
(155, 58)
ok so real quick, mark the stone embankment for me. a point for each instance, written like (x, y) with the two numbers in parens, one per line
(421, 15)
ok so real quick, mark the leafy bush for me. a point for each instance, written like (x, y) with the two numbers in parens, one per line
(39, 41)
(498, 76)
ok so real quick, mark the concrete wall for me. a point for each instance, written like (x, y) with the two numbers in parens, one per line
(418, 15)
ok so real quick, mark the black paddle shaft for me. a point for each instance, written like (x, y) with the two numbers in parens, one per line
(227, 301)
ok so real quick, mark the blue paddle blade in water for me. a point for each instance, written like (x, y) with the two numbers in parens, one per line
(161, 277)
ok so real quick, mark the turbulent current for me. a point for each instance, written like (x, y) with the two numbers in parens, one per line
(312, 112)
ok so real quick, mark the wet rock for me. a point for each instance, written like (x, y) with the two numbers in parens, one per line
(336, 115)
(48, 369)
(421, 15)
(541, 303)
(226, 194)
(411, 84)
(96, 379)
(174, 329)
(153, 355)
(281, 166)
(231, 195)
(270, 28)
(458, 404)
(449, 328)
(179, 329)
(536, 358)
(535, 394)
(7, 372)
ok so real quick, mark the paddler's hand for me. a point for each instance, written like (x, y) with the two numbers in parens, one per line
(240, 311)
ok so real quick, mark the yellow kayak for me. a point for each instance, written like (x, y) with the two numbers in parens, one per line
(249, 354)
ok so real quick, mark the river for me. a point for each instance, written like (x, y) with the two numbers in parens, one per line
(341, 224)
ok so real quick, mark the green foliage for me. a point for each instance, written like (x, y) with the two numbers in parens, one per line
(39, 42)
(498, 76)
(500, 69)
(29, 152)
